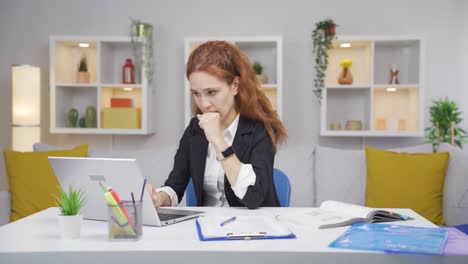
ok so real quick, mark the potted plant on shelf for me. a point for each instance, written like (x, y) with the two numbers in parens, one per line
(82, 76)
(322, 36)
(445, 118)
(258, 69)
(70, 204)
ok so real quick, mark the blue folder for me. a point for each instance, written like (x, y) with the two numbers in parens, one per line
(393, 239)
(241, 235)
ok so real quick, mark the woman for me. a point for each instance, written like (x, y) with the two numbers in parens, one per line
(228, 148)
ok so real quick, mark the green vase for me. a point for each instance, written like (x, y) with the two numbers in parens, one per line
(82, 122)
(90, 117)
(72, 117)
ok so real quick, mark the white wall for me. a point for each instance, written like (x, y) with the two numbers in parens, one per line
(25, 26)
(464, 88)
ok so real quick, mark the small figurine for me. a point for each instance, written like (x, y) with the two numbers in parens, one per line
(394, 74)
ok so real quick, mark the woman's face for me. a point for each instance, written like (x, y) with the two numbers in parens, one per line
(214, 95)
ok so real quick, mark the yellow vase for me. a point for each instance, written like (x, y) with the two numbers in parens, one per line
(345, 76)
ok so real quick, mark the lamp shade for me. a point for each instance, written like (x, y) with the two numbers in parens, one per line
(26, 106)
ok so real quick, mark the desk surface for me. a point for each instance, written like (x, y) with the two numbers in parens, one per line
(37, 238)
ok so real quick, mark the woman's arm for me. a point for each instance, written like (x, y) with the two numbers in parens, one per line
(179, 176)
(262, 155)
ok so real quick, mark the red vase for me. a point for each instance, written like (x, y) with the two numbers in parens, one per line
(128, 72)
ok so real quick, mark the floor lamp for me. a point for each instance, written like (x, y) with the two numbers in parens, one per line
(26, 106)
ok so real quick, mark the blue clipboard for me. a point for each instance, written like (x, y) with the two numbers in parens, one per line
(240, 236)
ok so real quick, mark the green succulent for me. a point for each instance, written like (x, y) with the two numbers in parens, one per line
(83, 65)
(445, 116)
(71, 202)
(257, 67)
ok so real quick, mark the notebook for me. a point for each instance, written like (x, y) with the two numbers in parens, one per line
(124, 176)
(211, 228)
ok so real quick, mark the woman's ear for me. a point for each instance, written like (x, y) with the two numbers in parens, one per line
(235, 85)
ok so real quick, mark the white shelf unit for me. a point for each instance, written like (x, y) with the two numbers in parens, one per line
(383, 112)
(105, 57)
(268, 50)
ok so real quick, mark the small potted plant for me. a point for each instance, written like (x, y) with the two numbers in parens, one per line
(258, 69)
(82, 76)
(445, 118)
(70, 204)
(322, 37)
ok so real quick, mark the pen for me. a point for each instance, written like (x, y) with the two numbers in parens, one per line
(135, 213)
(143, 190)
(228, 221)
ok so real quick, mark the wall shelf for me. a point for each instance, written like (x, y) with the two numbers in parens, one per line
(384, 110)
(105, 57)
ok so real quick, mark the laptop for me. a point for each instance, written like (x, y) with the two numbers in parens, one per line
(124, 176)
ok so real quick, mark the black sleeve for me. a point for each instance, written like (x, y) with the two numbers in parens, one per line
(179, 176)
(262, 157)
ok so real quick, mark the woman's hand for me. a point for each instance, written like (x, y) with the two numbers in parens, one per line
(211, 124)
(159, 198)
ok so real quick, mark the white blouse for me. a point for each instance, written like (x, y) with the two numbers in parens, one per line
(213, 184)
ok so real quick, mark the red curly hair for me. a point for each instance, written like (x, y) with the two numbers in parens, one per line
(226, 61)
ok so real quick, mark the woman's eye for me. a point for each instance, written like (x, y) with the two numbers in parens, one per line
(211, 92)
(195, 94)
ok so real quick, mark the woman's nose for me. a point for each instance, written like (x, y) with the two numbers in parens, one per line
(205, 103)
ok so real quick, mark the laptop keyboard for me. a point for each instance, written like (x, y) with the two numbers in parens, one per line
(165, 217)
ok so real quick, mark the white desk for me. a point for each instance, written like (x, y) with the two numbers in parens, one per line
(36, 239)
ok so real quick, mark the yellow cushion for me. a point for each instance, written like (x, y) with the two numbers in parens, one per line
(32, 181)
(403, 180)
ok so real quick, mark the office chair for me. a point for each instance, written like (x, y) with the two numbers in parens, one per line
(282, 186)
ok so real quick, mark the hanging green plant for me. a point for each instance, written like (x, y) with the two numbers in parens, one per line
(141, 35)
(445, 118)
(322, 36)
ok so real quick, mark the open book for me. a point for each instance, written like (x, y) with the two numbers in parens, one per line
(334, 213)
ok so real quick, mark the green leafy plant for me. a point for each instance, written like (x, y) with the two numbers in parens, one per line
(257, 67)
(71, 202)
(445, 118)
(83, 65)
(322, 37)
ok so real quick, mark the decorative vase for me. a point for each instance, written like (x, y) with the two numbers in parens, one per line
(82, 122)
(82, 77)
(70, 225)
(90, 117)
(262, 78)
(72, 117)
(345, 76)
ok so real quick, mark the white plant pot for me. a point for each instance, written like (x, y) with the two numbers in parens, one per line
(70, 226)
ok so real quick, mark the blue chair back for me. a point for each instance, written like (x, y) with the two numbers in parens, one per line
(282, 186)
(191, 197)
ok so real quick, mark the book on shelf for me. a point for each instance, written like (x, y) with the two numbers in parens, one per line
(335, 214)
(121, 102)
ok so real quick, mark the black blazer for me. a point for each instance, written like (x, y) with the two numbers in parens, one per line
(251, 144)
